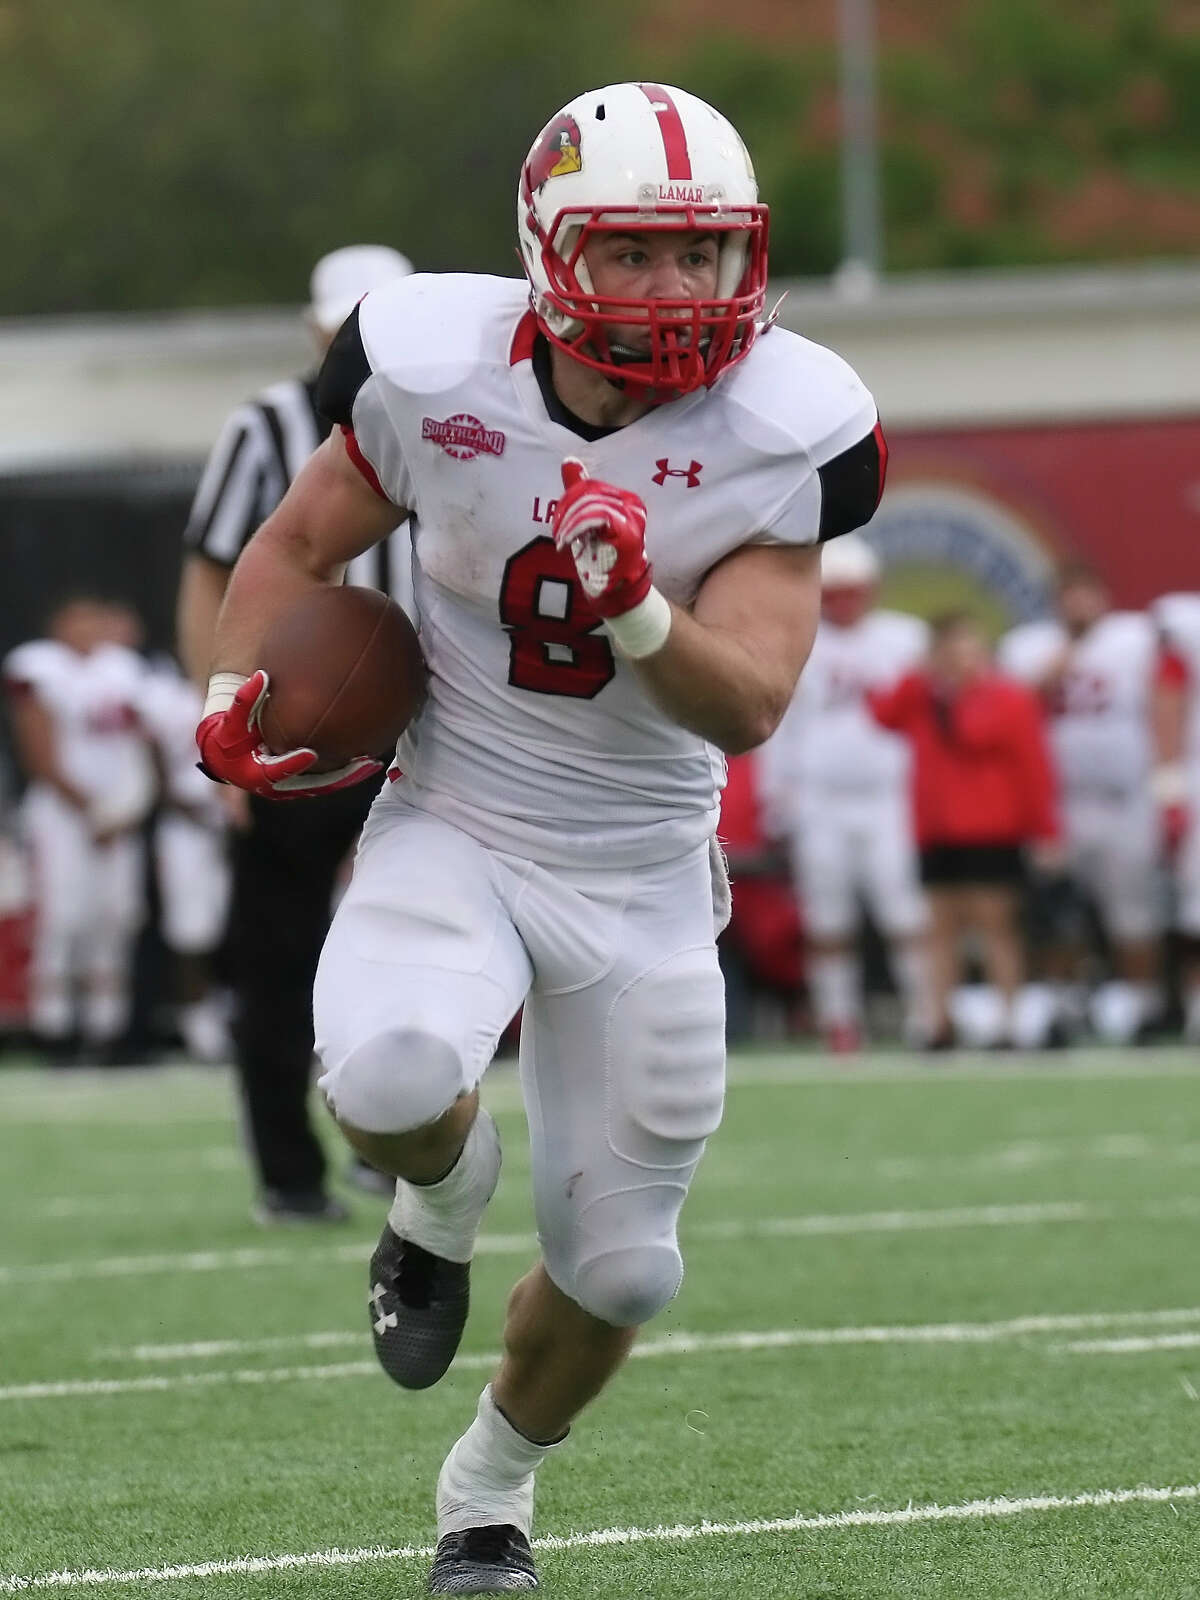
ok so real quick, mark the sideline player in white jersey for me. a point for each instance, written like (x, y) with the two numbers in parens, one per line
(191, 860)
(1176, 781)
(74, 697)
(837, 784)
(1096, 670)
(549, 836)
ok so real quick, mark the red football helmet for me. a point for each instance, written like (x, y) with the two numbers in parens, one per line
(638, 157)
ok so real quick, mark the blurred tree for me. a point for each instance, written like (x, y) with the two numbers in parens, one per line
(156, 156)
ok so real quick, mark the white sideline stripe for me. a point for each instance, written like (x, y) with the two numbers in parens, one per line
(768, 1339)
(674, 1344)
(816, 1223)
(966, 1511)
(1131, 1346)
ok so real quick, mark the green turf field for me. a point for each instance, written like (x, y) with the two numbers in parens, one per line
(910, 1290)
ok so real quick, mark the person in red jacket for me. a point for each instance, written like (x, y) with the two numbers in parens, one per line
(983, 794)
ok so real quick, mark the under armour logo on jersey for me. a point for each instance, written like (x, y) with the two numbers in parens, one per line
(383, 1321)
(666, 470)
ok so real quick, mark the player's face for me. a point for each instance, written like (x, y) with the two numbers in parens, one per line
(81, 625)
(844, 604)
(124, 626)
(651, 266)
(1081, 603)
(960, 655)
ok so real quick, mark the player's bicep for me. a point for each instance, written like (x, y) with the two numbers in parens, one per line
(769, 598)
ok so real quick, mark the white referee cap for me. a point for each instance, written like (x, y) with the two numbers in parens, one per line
(340, 279)
(847, 562)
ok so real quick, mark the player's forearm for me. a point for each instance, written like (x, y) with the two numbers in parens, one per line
(201, 590)
(1168, 723)
(710, 680)
(277, 568)
(37, 751)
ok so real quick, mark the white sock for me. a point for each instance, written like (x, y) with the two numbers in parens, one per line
(202, 1027)
(910, 967)
(1034, 1012)
(834, 984)
(105, 1014)
(1117, 1011)
(444, 1217)
(487, 1479)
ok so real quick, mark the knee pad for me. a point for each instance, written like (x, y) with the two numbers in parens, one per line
(394, 1081)
(666, 1050)
(629, 1286)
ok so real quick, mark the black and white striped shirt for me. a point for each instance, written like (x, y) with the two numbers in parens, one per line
(258, 452)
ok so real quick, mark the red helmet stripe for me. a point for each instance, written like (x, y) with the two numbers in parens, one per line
(679, 162)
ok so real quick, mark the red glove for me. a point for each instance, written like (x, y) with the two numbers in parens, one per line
(232, 749)
(605, 530)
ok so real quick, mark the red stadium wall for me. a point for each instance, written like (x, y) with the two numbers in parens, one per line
(1004, 503)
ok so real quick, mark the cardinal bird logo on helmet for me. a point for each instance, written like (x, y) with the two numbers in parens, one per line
(555, 154)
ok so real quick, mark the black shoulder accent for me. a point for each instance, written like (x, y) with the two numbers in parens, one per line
(851, 485)
(343, 373)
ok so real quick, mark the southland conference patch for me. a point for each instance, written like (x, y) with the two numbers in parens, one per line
(464, 437)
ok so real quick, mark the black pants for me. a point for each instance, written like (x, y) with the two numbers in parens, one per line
(284, 870)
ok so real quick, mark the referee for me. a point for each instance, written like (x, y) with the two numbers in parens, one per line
(285, 856)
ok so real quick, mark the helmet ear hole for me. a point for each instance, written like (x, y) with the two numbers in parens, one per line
(600, 113)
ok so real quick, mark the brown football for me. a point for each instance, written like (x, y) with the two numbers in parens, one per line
(346, 675)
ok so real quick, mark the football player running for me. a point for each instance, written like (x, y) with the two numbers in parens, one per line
(838, 788)
(618, 477)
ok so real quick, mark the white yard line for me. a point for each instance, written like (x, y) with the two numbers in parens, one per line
(670, 1345)
(1131, 1346)
(679, 1342)
(254, 1258)
(822, 1522)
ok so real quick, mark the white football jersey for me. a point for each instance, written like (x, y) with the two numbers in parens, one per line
(537, 737)
(93, 704)
(829, 741)
(1178, 620)
(1100, 714)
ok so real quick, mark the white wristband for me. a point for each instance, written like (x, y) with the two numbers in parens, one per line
(222, 687)
(642, 631)
(1169, 785)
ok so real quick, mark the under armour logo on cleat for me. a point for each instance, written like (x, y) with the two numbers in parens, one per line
(666, 470)
(383, 1320)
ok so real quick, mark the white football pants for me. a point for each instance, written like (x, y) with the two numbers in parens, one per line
(88, 907)
(847, 849)
(439, 940)
(194, 883)
(1112, 851)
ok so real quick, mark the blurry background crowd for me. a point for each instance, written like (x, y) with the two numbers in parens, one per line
(978, 822)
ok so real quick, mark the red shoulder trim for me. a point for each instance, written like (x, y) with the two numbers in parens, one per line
(523, 340)
(354, 451)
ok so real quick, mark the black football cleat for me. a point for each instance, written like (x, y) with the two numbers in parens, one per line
(490, 1560)
(418, 1306)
